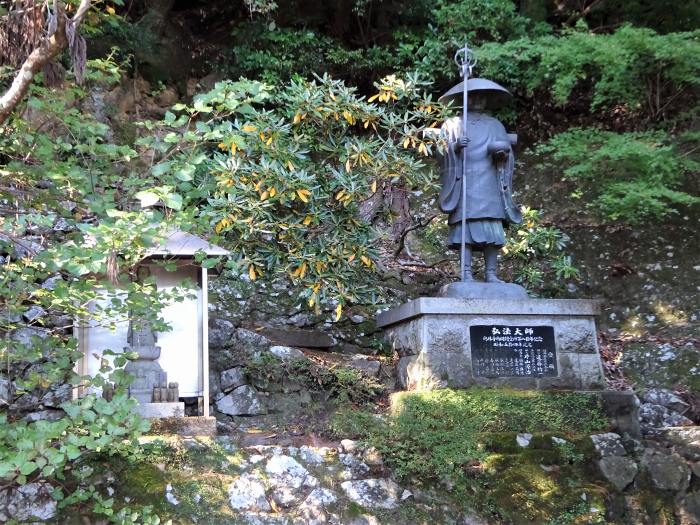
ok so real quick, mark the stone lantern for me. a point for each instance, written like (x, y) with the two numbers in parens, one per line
(172, 367)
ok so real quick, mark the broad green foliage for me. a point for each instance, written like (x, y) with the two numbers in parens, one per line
(282, 175)
(62, 233)
(538, 253)
(633, 70)
(450, 26)
(633, 177)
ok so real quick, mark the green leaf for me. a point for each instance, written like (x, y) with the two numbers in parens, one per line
(27, 468)
(147, 198)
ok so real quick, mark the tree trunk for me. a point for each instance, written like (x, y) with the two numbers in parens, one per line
(50, 48)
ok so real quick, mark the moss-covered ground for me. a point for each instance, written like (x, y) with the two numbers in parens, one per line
(457, 451)
(465, 441)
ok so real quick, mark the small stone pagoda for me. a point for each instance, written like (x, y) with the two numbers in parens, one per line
(172, 368)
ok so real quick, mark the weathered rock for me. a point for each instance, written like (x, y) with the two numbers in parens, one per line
(310, 456)
(248, 493)
(51, 282)
(299, 338)
(56, 395)
(365, 365)
(658, 416)
(33, 313)
(354, 467)
(695, 468)
(686, 441)
(287, 476)
(666, 398)
(348, 445)
(286, 353)
(608, 444)
(523, 440)
(24, 335)
(220, 332)
(26, 247)
(690, 508)
(44, 415)
(667, 471)
(169, 496)
(27, 503)
(243, 401)
(313, 508)
(618, 470)
(232, 378)
(373, 493)
(372, 457)
(167, 97)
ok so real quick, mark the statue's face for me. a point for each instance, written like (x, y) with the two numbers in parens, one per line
(477, 101)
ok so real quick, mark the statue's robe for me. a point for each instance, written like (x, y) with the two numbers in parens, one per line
(485, 212)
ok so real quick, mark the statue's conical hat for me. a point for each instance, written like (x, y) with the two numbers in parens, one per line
(496, 94)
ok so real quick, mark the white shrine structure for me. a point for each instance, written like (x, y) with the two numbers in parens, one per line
(184, 350)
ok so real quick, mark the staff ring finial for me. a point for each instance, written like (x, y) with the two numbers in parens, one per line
(465, 59)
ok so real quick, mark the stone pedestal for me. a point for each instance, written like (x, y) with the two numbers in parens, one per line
(158, 410)
(531, 343)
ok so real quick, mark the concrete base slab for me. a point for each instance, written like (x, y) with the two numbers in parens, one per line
(481, 290)
(432, 337)
(159, 410)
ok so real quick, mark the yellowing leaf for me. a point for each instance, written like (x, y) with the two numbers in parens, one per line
(251, 273)
(365, 260)
(234, 148)
(316, 287)
(111, 10)
(249, 128)
(348, 166)
(304, 195)
(338, 311)
(374, 186)
(331, 95)
(297, 118)
(422, 149)
(366, 124)
(312, 301)
(339, 195)
(269, 141)
(221, 145)
(290, 165)
(351, 258)
(302, 270)
(273, 192)
(373, 97)
(406, 142)
(264, 195)
(307, 220)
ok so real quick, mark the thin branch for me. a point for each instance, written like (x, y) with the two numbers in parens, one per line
(402, 239)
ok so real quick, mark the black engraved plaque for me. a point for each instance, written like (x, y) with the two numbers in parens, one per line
(513, 351)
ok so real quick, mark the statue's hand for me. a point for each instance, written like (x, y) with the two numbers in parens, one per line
(461, 143)
(500, 150)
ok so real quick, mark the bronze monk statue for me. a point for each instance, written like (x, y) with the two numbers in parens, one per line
(476, 174)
